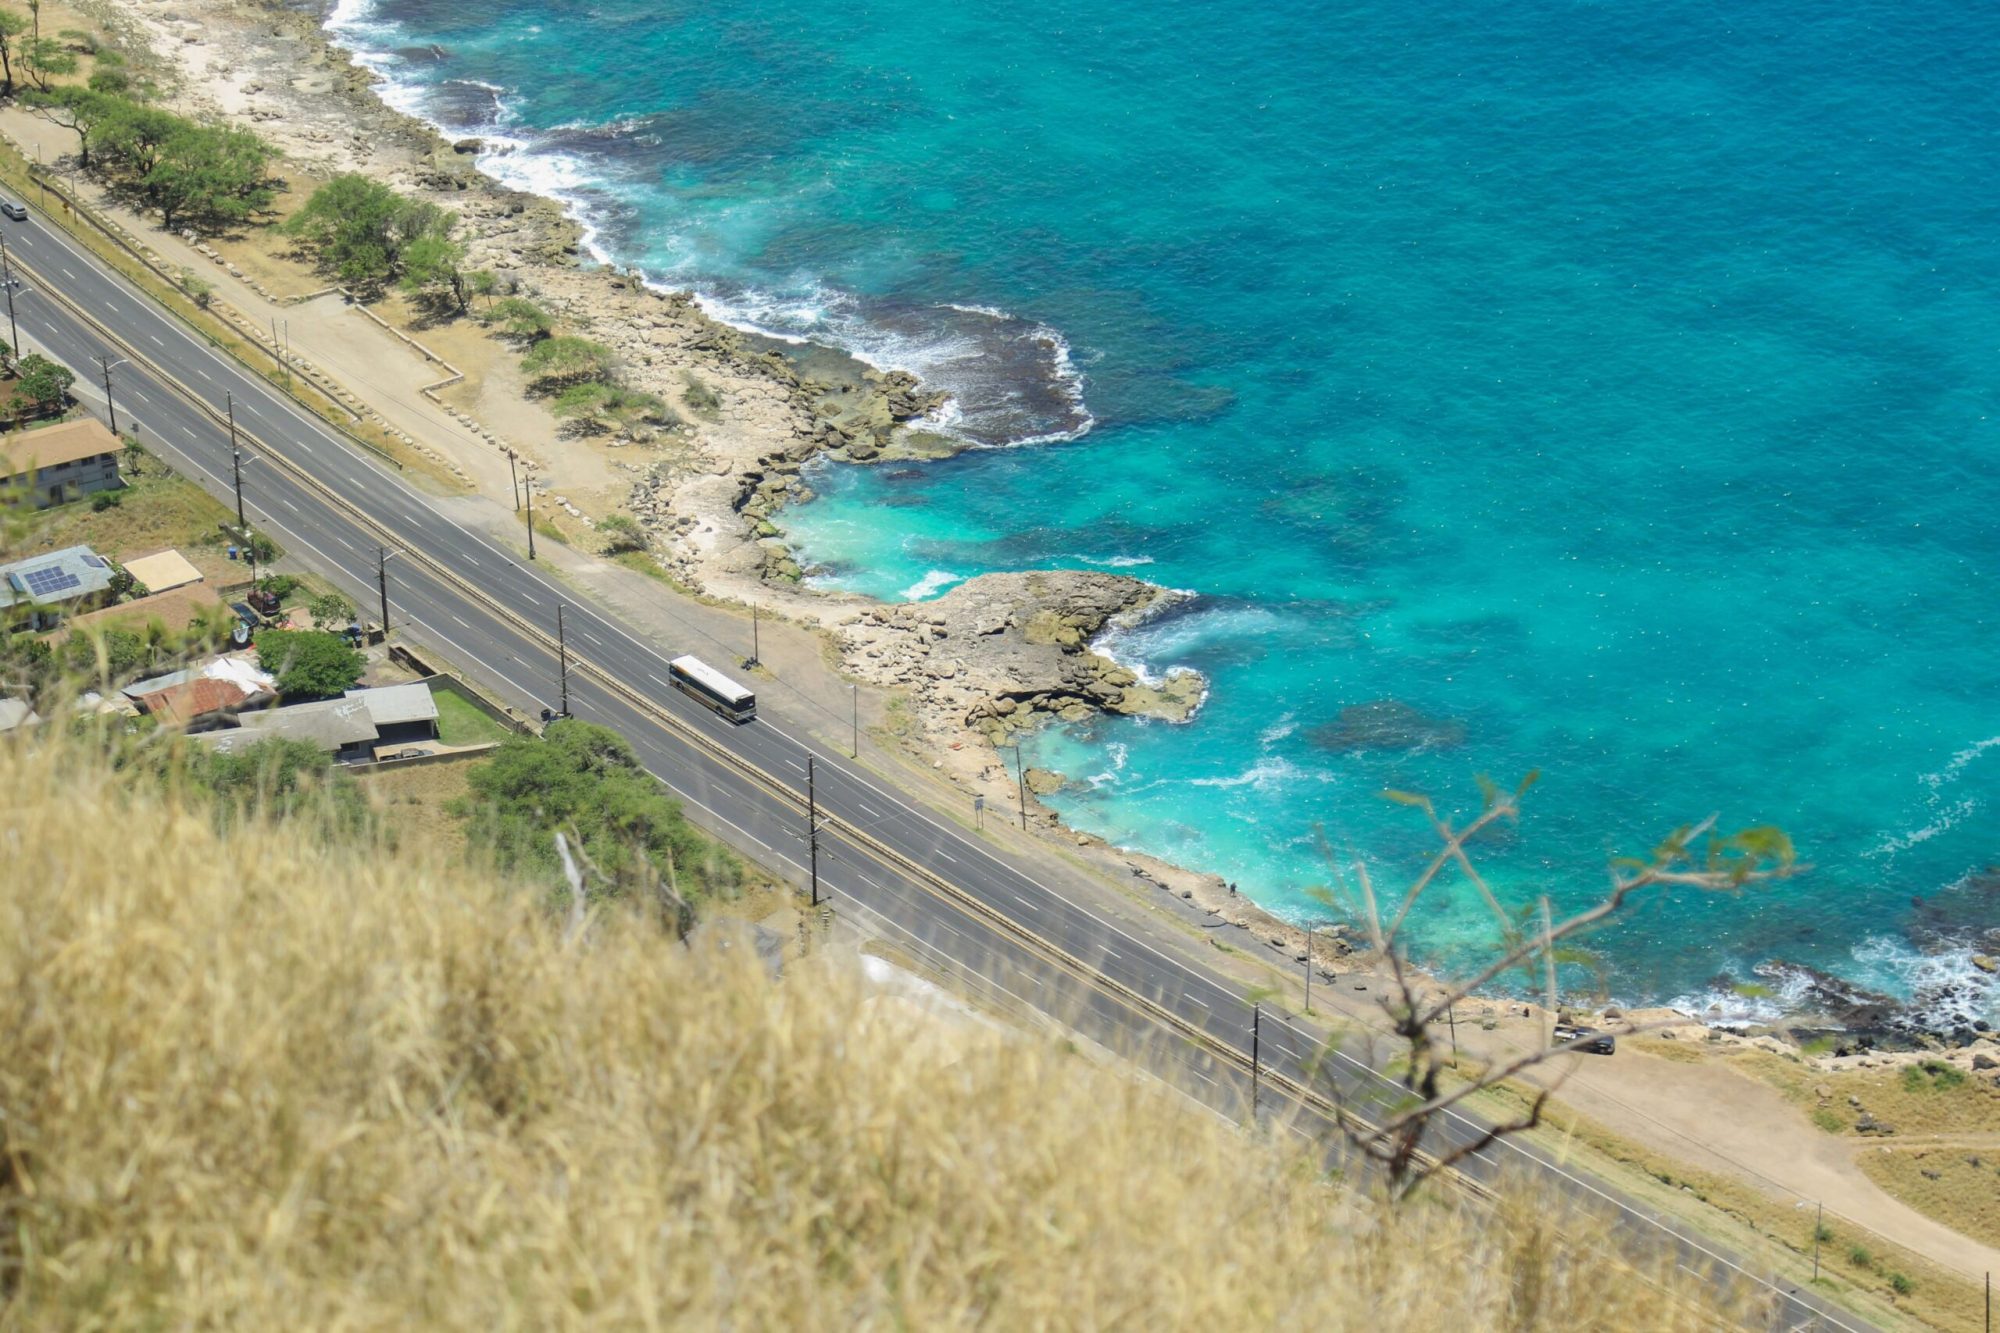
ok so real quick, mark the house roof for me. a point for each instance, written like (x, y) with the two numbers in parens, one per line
(238, 667)
(174, 609)
(388, 705)
(54, 577)
(178, 705)
(15, 713)
(52, 446)
(332, 724)
(163, 570)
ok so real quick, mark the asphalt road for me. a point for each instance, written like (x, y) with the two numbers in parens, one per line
(875, 846)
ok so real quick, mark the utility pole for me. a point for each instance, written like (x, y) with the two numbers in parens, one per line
(106, 363)
(1312, 929)
(562, 657)
(7, 274)
(236, 465)
(1451, 1017)
(812, 830)
(382, 580)
(531, 516)
(756, 657)
(856, 688)
(278, 351)
(514, 475)
(1256, 1055)
(1021, 786)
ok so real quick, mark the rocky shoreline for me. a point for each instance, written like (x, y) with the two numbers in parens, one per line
(991, 658)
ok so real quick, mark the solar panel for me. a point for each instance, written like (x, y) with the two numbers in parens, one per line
(50, 578)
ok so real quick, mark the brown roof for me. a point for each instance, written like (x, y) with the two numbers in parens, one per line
(178, 705)
(173, 608)
(52, 446)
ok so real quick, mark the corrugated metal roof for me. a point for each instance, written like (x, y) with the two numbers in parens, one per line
(392, 704)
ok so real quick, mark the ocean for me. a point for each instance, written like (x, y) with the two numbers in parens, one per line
(1605, 391)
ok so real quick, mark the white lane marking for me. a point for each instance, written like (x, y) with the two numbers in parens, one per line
(462, 624)
(657, 681)
(156, 340)
(944, 855)
(866, 811)
(204, 374)
(288, 504)
(592, 637)
(796, 764)
(66, 273)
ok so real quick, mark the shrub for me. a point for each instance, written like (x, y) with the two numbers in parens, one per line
(518, 317)
(331, 611)
(1860, 1257)
(309, 664)
(1828, 1121)
(699, 396)
(621, 534)
(1931, 1076)
(279, 586)
(104, 500)
(1900, 1284)
(555, 362)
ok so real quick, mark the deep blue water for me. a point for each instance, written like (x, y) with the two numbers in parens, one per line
(1613, 386)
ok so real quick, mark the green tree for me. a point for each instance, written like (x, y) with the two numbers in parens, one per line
(331, 611)
(27, 666)
(357, 229)
(112, 82)
(518, 317)
(595, 405)
(309, 664)
(12, 27)
(43, 382)
(555, 362)
(133, 138)
(78, 110)
(216, 173)
(104, 657)
(45, 58)
(585, 781)
(432, 266)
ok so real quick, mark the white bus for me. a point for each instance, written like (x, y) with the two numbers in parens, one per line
(710, 688)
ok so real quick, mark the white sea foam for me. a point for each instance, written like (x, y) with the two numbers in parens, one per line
(1116, 561)
(1959, 762)
(1943, 820)
(1945, 989)
(588, 190)
(1267, 774)
(934, 582)
(1278, 730)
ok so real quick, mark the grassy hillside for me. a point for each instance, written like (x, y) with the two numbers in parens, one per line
(251, 1080)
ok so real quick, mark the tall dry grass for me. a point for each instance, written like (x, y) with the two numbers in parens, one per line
(253, 1081)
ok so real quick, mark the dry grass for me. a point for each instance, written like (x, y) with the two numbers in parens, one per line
(415, 802)
(1967, 1106)
(157, 511)
(257, 1083)
(1958, 1186)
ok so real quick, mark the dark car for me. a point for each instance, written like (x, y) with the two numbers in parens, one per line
(247, 614)
(1588, 1040)
(267, 603)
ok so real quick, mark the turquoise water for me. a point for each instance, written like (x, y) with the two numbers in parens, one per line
(1610, 385)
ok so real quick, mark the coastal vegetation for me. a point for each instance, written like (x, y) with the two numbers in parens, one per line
(368, 236)
(334, 1081)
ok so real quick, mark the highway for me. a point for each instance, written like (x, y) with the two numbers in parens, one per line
(943, 893)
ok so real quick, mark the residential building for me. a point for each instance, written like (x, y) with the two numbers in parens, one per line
(341, 727)
(56, 464)
(17, 713)
(38, 592)
(403, 715)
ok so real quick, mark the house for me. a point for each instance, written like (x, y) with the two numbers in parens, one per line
(341, 727)
(251, 686)
(56, 464)
(37, 592)
(201, 704)
(163, 571)
(17, 713)
(176, 609)
(402, 714)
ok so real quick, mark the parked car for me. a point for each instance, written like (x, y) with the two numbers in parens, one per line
(247, 614)
(267, 603)
(14, 209)
(1589, 1040)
